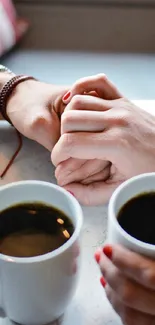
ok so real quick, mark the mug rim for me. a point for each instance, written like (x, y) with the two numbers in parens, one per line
(60, 250)
(112, 213)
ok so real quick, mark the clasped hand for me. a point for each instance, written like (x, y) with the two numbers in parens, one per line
(105, 139)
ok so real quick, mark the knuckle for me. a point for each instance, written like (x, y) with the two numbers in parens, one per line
(80, 84)
(66, 118)
(149, 277)
(86, 200)
(123, 119)
(35, 125)
(58, 172)
(114, 301)
(119, 117)
(120, 137)
(126, 317)
(76, 101)
(87, 195)
(116, 134)
(102, 77)
(127, 294)
(38, 121)
(68, 141)
(109, 294)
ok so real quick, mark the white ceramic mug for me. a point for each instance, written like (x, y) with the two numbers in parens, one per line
(37, 290)
(126, 191)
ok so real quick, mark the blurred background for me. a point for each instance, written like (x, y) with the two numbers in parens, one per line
(69, 39)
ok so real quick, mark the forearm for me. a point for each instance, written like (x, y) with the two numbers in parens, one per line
(35, 108)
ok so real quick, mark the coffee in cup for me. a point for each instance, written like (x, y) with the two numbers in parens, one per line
(33, 229)
(137, 217)
(131, 221)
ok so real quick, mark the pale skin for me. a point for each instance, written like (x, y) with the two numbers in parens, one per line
(98, 130)
(109, 139)
(130, 285)
(35, 110)
(116, 131)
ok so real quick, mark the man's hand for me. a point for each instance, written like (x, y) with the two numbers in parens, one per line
(116, 131)
(129, 281)
(34, 108)
(77, 174)
(82, 171)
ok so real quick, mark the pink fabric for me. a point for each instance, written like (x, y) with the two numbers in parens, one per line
(11, 27)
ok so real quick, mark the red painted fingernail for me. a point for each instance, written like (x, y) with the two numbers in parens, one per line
(103, 282)
(107, 250)
(67, 95)
(71, 193)
(97, 257)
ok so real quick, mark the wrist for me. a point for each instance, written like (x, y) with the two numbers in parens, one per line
(19, 92)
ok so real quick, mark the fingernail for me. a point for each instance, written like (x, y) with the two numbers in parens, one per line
(66, 96)
(107, 250)
(97, 257)
(71, 193)
(103, 282)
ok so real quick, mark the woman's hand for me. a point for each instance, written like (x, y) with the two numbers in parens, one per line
(129, 281)
(33, 109)
(98, 86)
(110, 130)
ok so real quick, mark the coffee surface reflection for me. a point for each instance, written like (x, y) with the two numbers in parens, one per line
(33, 229)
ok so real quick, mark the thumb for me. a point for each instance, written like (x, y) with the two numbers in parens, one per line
(96, 193)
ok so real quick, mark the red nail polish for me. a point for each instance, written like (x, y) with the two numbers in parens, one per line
(107, 250)
(103, 282)
(71, 193)
(67, 95)
(97, 257)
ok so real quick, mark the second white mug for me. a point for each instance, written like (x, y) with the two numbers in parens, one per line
(129, 189)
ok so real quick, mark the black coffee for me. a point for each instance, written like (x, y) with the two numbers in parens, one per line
(137, 217)
(33, 229)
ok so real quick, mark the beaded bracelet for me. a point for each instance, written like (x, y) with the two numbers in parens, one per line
(7, 91)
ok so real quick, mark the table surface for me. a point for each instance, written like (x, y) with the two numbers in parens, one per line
(89, 306)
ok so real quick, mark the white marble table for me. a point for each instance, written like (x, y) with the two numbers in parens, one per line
(89, 306)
